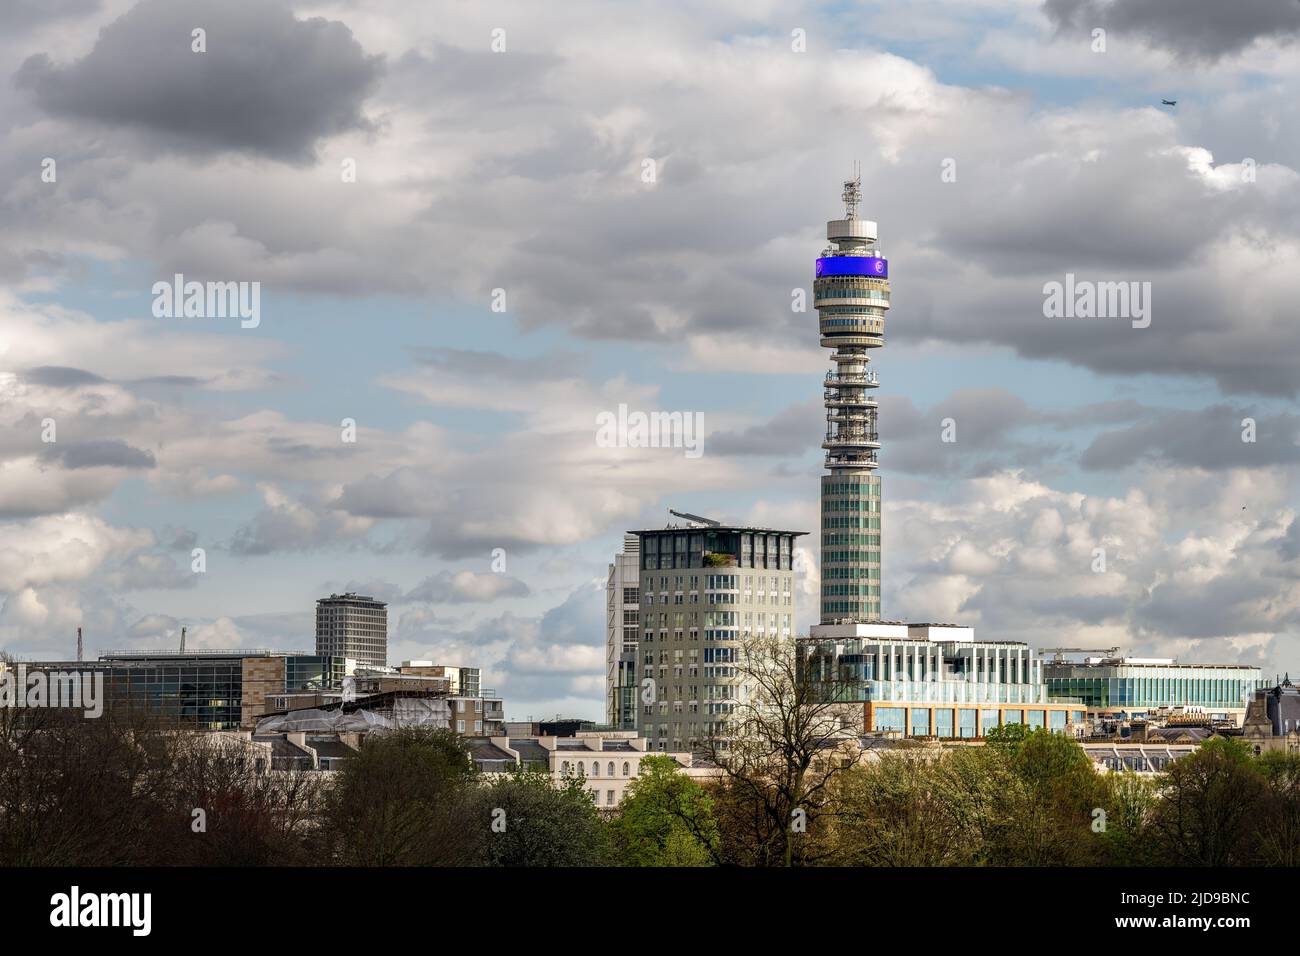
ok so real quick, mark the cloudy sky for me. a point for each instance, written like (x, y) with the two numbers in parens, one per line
(523, 169)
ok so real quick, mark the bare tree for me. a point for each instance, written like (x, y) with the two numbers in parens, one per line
(780, 749)
(224, 805)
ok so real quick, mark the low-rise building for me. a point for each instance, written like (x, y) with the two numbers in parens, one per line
(1141, 758)
(1128, 687)
(606, 761)
(1272, 720)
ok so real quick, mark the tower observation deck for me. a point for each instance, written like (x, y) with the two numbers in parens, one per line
(851, 296)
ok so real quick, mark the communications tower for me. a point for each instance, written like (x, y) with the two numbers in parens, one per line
(851, 296)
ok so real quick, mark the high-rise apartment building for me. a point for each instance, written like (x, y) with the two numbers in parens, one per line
(705, 588)
(353, 626)
(622, 633)
(851, 295)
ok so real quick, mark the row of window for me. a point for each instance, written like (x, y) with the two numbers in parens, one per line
(851, 504)
(871, 310)
(852, 292)
(874, 325)
(850, 608)
(846, 521)
(871, 556)
(859, 487)
(852, 573)
(855, 590)
(850, 538)
(712, 635)
(939, 722)
(567, 769)
(725, 582)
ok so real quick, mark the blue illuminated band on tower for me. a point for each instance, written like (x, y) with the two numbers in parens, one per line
(853, 266)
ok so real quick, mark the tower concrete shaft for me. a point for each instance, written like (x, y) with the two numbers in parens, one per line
(851, 295)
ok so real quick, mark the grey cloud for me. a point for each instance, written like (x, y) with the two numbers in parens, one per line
(396, 495)
(169, 381)
(23, 14)
(281, 630)
(1192, 29)
(579, 620)
(1200, 438)
(179, 539)
(57, 376)
(1289, 546)
(463, 82)
(150, 571)
(1228, 604)
(556, 365)
(289, 448)
(295, 526)
(268, 83)
(984, 420)
(791, 431)
(106, 453)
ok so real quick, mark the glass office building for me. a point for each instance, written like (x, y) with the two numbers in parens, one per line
(204, 690)
(933, 680)
(1135, 686)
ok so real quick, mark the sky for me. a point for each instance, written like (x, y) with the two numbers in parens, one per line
(474, 228)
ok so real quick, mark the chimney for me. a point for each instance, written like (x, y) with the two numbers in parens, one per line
(79, 647)
(182, 640)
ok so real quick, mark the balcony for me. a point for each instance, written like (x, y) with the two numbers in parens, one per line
(862, 440)
(862, 460)
(844, 400)
(865, 380)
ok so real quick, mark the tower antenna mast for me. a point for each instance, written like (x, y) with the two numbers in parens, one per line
(853, 192)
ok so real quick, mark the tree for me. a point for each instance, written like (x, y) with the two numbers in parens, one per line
(76, 791)
(892, 814)
(972, 785)
(666, 819)
(1209, 803)
(1030, 796)
(779, 752)
(402, 800)
(1279, 828)
(1131, 801)
(1060, 797)
(523, 819)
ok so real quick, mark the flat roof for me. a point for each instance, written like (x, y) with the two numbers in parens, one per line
(1121, 662)
(713, 530)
